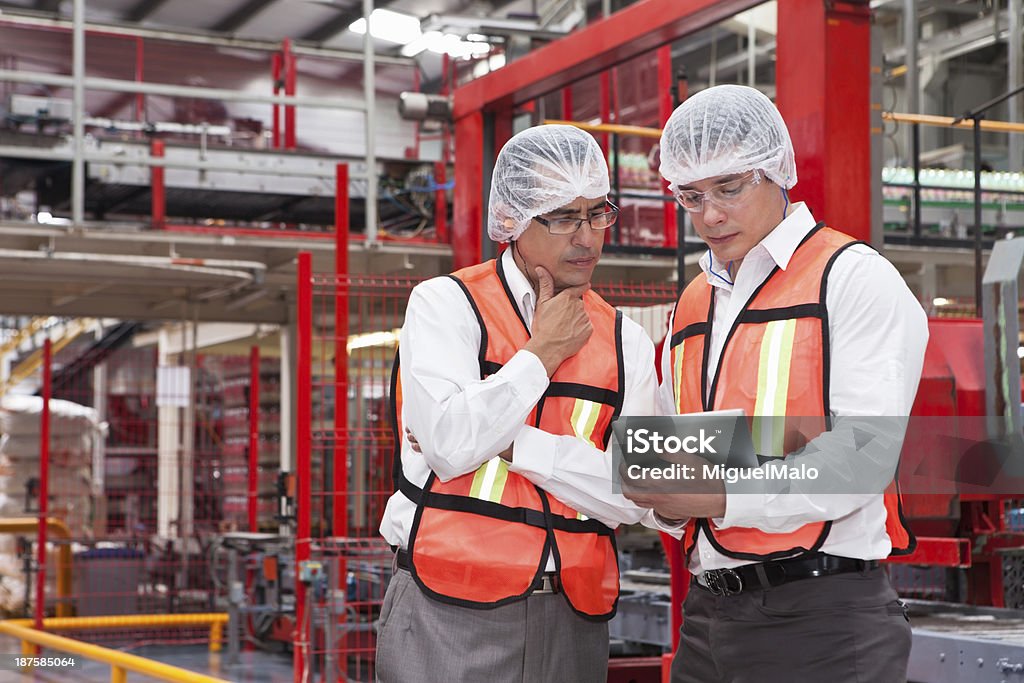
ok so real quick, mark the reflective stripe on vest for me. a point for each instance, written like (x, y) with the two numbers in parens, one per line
(774, 365)
(773, 387)
(489, 480)
(481, 539)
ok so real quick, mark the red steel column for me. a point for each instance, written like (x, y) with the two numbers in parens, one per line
(665, 87)
(826, 102)
(604, 96)
(158, 197)
(467, 223)
(276, 62)
(440, 203)
(44, 484)
(339, 488)
(140, 99)
(289, 89)
(303, 452)
(254, 437)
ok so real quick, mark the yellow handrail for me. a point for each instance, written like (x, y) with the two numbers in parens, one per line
(641, 131)
(18, 525)
(215, 620)
(24, 333)
(27, 367)
(923, 119)
(120, 662)
(947, 122)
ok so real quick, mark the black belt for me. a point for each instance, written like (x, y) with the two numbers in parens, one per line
(777, 572)
(549, 581)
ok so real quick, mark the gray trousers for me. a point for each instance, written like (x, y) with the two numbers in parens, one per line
(846, 628)
(537, 640)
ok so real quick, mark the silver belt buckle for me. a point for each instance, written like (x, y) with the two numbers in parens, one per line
(723, 581)
(546, 584)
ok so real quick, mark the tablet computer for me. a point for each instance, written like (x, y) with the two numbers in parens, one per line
(722, 437)
(732, 428)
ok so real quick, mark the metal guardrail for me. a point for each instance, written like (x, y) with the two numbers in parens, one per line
(120, 662)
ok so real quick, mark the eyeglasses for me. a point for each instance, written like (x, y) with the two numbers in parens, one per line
(723, 195)
(567, 226)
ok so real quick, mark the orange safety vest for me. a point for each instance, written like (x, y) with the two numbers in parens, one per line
(481, 539)
(775, 364)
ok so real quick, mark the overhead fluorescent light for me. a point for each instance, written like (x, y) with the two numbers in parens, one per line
(445, 43)
(393, 27)
(422, 43)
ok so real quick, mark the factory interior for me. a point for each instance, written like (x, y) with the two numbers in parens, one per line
(212, 215)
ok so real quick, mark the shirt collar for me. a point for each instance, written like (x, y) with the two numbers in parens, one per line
(522, 290)
(780, 244)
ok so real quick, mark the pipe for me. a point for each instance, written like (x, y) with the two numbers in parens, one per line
(177, 265)
(127, 621)
(947, 122)
(252, 500)
(78, 113)
(215, 621)
(44, 481)
(641, 131)
(1013, 44)
(124, 86)
(54, 154)
(120, 662)
(911, 89)
(369, 99)
(21, 525)
(220, 40)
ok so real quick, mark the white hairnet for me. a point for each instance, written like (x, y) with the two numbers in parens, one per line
(539, 170)
(725, 130)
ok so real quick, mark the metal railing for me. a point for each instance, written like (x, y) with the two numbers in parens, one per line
(120, 662)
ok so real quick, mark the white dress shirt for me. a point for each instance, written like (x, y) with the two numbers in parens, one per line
(461, 421)
(878, 333)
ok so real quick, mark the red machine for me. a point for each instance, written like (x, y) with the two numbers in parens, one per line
(968, 531)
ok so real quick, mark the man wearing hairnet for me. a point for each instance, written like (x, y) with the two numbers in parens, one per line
(800, 326)
(508, 376)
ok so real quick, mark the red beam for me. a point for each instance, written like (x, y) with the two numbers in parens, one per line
(339, 487)
(44, 484)
(254, 437)
(938, 552)
(275, 112)
(440, 203)
(640, 28)
(302, 468)
(826, 102)
(290, 77)
(158, 197)
(140, 63)
(666, 83)
(467, 225)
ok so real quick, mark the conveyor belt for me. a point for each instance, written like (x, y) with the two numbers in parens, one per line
(964, 644)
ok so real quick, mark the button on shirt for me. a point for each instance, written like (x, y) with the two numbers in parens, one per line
(878, 333)
(461, 421)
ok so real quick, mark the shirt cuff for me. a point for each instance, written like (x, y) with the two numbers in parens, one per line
(527, 375)
(661, 524)
(534, 453)
(743, 505)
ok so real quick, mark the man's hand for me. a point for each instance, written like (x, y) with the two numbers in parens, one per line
(676, 499)
(505, 455)
(560, 324)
